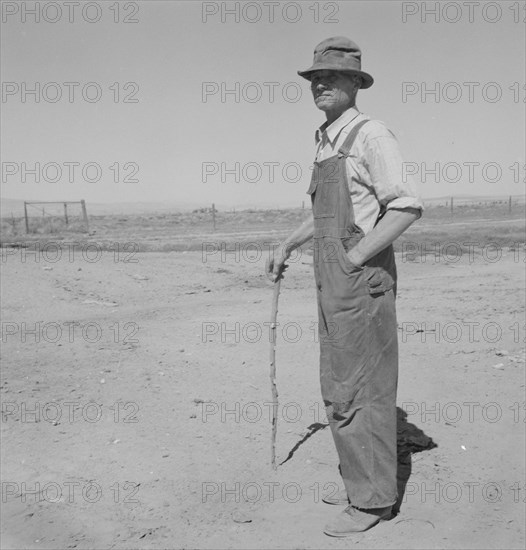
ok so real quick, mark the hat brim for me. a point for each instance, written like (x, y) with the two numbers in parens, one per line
(367, 79)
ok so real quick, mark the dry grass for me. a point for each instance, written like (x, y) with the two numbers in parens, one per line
(481, 224)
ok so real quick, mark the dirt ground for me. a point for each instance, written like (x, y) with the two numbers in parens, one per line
(147, 424)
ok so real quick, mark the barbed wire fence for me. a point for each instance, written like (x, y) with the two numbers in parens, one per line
(53, 216)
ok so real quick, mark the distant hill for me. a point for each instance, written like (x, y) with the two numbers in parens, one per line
(474, 199)
(16, 206)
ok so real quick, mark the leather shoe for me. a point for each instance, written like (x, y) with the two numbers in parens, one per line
(355, 520)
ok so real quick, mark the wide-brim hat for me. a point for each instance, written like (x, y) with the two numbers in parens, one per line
(338, 54)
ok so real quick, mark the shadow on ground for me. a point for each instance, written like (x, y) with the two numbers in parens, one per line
(410, 440)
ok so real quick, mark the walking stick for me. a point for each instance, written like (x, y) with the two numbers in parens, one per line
(273, 318)
(273, 386)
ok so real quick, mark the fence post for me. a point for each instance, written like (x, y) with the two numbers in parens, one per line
(451, 205)
(25, 216)
(85, 214)
(66, 212)
(214, 215)
(509, 205)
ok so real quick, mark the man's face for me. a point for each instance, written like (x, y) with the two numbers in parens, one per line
(333, 90)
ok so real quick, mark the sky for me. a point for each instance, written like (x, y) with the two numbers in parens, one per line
(200, 102)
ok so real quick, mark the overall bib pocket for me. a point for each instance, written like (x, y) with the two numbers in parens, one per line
(324, 190)
(323, 200)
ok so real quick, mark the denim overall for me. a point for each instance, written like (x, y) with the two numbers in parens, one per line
(358, 339)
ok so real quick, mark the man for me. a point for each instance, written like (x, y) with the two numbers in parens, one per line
(360, 205)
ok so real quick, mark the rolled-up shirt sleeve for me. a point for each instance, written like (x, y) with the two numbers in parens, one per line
(382, 159)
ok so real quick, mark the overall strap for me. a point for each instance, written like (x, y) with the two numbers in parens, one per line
(343, 151)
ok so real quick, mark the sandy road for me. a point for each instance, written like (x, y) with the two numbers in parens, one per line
(167, 377)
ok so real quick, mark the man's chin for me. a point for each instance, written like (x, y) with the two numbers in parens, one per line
(324, 104)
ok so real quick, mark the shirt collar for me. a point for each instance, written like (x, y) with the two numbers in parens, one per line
(337, 126)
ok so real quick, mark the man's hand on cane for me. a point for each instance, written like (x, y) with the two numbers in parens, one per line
(275, 265)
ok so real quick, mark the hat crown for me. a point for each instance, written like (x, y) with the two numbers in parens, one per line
(339, 47)
(341, 43)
